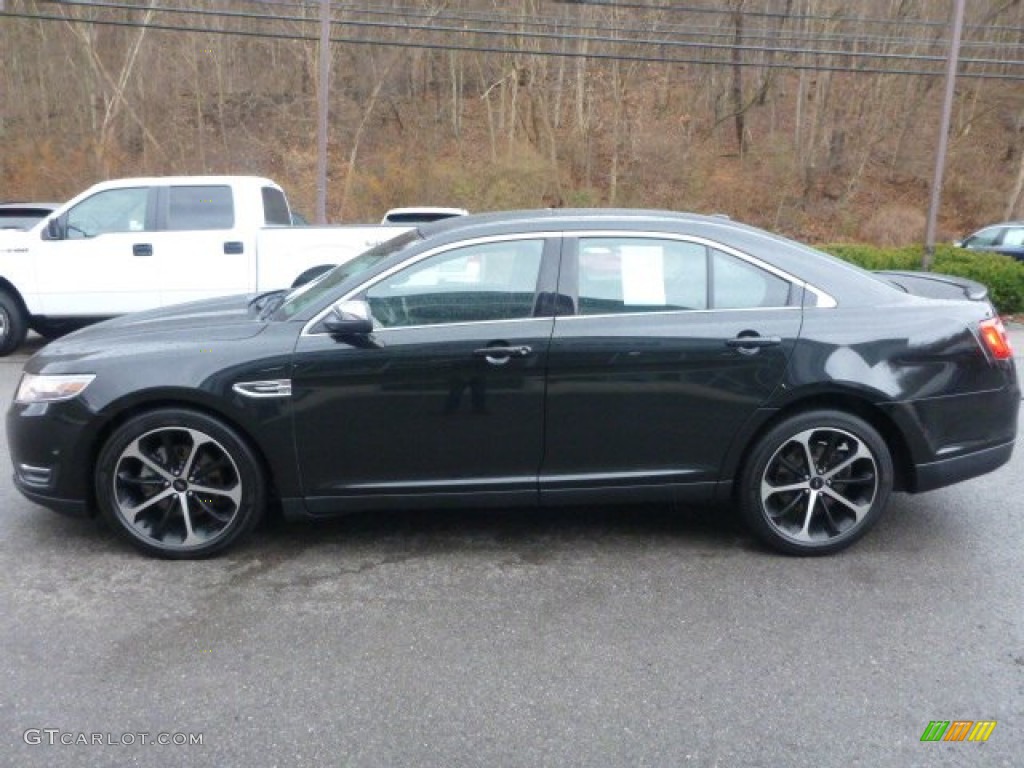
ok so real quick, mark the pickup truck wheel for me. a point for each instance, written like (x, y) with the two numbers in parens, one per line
(311, 274)
(179, 484)
(13, 323)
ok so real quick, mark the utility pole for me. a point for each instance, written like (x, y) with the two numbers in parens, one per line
(940, 155)
(322, 96)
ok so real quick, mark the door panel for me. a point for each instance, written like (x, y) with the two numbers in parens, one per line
(655, 398)
(204, 251)
(447, 396)
(95, 270)
(423, 413)
(673, 346)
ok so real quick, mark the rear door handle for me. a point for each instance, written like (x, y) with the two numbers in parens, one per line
(142, 249)
(234, 246)
(753, 342)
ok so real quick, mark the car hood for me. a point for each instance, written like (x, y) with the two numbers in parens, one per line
(221, 319)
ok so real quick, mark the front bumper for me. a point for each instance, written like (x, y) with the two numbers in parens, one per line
(49, 449)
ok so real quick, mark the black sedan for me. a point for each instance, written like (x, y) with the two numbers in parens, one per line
(545, 357)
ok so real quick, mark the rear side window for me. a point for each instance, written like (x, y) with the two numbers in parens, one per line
(1014, 237)
(200, 207)
(737, 284)
(275, 208)
(628, 275)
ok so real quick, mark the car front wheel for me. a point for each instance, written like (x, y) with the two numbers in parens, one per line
(816, 482)
(179, 484)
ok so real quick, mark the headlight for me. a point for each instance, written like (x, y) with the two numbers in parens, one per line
(35, 388)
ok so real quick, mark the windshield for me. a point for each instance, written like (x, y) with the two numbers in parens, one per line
(314, 291)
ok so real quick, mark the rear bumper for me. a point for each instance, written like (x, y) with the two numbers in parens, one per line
(937, 474)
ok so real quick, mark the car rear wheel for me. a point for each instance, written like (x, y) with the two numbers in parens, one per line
(179, 484)
(816, 482)
(13, 323)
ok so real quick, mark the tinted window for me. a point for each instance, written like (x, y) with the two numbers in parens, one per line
(207, 207)
(114, 210)
(653, 275)
(492, 281)
(275, 208)
(737, 284)
(21, 217)
(985, 238)
(1014, 237)
(641, 275)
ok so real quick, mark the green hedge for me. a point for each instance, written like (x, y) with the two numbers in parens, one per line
(1003, 275)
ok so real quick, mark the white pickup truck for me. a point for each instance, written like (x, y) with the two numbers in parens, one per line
(134, 244)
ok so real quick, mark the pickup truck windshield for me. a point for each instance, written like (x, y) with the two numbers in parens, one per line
(313, 292)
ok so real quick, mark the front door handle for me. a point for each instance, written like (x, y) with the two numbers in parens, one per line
(233, 246)
(502, 354)
(142, 249)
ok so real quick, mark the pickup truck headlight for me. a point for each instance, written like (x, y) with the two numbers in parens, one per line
(36, 388)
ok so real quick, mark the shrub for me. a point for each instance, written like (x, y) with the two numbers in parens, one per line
(1002, 274)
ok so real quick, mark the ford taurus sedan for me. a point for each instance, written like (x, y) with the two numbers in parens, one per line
(533, 358)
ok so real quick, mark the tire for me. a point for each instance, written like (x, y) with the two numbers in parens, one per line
(179, 484)
(815, 483)
(13, 323)
(311, 274)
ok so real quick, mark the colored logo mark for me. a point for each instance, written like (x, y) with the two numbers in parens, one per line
(958, 730)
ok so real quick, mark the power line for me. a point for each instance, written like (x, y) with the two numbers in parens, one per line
(662, 44)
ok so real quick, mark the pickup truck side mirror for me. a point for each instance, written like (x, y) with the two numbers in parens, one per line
(349, 318)
(53, 230)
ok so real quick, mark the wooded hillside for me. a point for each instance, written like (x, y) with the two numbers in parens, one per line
(817, 118)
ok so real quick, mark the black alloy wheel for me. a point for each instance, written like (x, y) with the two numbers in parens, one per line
(816, 482)
(179, 484)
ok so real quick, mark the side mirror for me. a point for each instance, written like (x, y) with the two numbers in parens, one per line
(349, 318)
(53, 230)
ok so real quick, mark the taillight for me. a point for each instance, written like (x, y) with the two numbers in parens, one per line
(993, 334)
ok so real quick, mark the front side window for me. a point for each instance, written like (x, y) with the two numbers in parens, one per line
(200, 207)
(113, 210)
(487, 281)
(633, 274)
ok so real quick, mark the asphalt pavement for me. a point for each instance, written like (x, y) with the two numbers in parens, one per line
(589, 637)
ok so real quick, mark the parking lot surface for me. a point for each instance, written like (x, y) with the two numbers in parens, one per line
(597, 637)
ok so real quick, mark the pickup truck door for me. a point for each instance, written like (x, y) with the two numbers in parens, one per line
(103, 264)
(206, 248)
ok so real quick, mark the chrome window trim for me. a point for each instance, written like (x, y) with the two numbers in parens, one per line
(822, 299)
(667, 312)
